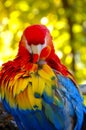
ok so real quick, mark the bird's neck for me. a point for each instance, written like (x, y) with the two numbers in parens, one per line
(55, 63)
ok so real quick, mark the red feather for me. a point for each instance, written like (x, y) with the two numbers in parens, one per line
(35, 34)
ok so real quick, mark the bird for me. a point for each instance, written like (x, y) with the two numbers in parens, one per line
(37, 89)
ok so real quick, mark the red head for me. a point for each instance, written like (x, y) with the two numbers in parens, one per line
(38, 41)
(36, 34)
(36, 46)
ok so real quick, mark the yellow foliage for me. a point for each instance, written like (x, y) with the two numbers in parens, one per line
(85, 100)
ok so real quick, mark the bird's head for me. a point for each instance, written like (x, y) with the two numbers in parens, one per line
(37, 40)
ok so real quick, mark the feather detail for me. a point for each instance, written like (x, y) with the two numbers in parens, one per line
(72, 95)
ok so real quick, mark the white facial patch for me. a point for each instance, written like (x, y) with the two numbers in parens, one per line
(27, 46)
(35, 49)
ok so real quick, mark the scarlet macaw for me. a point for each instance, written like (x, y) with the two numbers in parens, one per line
(37, 89)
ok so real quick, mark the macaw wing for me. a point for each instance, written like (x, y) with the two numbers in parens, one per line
(29, 97)
(72, 99)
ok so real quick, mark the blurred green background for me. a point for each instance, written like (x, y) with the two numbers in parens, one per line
(66, 19)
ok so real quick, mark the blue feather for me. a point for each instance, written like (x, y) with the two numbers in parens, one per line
(35, 120)
(73, 99)
(6, 105)
(13, 112)
(29, 119)
(52, 116)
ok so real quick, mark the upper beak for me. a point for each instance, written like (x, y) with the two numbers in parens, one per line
(40, 52)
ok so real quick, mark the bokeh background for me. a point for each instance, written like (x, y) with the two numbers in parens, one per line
(66, 19)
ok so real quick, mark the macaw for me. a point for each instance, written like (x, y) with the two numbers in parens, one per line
(37, 89)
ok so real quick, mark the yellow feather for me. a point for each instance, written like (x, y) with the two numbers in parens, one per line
(41, 85)
(48, 69)
(33, 100)
(38, 84)
(2, 90)
(48, 88)
(15, 87)
(7, 93)
(46, 72)
(20, 100)
(35, 82)
(20, 85)
(44, 75)
(23, 100)
(11, 99)
(26, 99)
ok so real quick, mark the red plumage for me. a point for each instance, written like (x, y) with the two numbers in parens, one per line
(36, 34)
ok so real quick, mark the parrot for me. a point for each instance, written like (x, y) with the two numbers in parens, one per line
(37, 89)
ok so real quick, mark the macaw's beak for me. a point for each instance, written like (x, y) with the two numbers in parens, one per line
(45, 52)
(40, 52)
